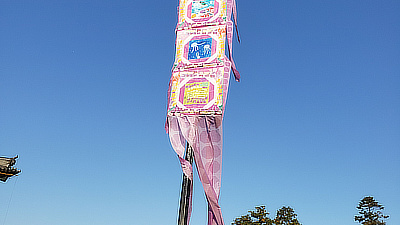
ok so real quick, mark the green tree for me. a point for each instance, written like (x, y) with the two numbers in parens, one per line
(259, 216)
(370, 212)
(286, 216)
(243, 220)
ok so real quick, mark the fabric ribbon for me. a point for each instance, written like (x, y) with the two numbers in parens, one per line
(204, 134)
(229, 35)
(231, 9)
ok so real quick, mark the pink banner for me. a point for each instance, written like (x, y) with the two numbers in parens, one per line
(198, 90)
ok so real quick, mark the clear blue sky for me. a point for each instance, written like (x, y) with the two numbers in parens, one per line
(314, 124)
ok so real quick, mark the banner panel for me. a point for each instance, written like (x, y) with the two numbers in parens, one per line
(200, 13)
(199, 90)
(200, 46)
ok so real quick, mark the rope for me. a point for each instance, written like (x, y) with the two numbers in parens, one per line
(9, 201)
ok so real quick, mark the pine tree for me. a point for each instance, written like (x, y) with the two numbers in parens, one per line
(369, 211)
(259, 216)
(243, 220)
(286, 216)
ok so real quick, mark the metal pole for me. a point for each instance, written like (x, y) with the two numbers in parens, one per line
(185, 193)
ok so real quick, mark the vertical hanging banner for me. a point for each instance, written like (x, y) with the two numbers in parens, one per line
(198, 91)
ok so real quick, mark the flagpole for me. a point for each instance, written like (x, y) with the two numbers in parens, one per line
(185, 192)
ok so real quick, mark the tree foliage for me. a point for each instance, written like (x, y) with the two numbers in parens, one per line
(286, 216)
(370, 212)
(243, 220)
(259, 216)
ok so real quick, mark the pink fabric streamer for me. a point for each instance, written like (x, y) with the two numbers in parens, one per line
(204, 134)
(231, 10)
(229, 36)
